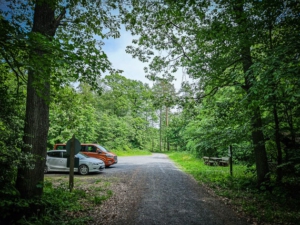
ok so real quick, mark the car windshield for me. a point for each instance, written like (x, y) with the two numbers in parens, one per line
(102, 148)
(81, 156)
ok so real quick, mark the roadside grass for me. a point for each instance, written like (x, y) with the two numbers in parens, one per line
(58, 205)
(131, 152)
(240, 191)
(88, 194)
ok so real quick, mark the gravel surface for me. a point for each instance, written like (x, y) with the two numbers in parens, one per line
(150, 190)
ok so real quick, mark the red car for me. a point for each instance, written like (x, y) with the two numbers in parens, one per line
(96, 151)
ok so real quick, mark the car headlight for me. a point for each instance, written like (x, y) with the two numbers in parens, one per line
(109, 155)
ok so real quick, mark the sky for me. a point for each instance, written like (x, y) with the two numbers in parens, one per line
(132, 67)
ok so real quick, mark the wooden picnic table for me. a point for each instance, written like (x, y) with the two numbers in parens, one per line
(224, 161)
(216, 160)
(211, 161)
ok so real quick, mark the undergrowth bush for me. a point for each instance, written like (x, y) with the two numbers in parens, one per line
(50, 209)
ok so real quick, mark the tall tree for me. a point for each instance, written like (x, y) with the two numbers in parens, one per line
(58, 36)
(164, 98)
(241, 18)
(37, 101)
(129, 100)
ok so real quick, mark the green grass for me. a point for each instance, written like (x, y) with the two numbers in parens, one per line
(58, 205)
(276, 207)
(131, 152)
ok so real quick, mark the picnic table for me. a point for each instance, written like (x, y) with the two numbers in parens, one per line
(215, 161)
(224, 161)
(211, 161)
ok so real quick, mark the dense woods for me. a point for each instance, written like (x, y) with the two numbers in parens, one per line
(242, 58)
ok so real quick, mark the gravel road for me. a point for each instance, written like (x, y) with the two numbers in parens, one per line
(151, 190)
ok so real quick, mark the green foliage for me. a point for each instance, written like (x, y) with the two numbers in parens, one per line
(209, 128)
(119, 119)
(243, 57)
(52, 42)
(208, 40)
(50, 209)
(72, 113)
(99, 199)
(246, 51)
(57, 204)
(11, 115)
(73, 52)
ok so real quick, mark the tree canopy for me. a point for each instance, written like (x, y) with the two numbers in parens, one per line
(223, 44)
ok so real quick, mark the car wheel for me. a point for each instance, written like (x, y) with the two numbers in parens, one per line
(83, 170)
(46, 169)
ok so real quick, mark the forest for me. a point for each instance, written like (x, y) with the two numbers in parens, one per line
(242, 58)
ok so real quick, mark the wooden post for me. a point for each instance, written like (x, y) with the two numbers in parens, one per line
(230, 159)
(72, 155)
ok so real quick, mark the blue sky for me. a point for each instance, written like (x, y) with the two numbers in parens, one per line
(132, 67)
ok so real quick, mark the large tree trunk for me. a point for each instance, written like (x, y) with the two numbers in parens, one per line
(262, 168)
(37, 104)
(160, 129)
(167, 125)
(258, 140)
(261, 160)
(35, 139)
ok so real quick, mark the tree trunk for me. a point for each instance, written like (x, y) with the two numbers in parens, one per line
(260, 153)
(262, 168)
(167, 125)
(29, 180)
(258, 139)
(160, 129)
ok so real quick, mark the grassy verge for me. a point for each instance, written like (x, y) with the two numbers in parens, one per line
(131, 152)
(58, 205)
(239, 190)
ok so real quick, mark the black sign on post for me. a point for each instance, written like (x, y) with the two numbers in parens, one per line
(73, 147)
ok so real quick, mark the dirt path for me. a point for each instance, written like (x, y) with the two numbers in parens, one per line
(150, 190)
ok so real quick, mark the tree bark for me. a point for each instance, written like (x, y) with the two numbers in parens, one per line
(167, 125)
(29, 180)
(160, 128)
(262, 168)
(258, 140)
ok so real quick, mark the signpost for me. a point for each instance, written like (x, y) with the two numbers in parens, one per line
(73, 146)
(230, 158)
